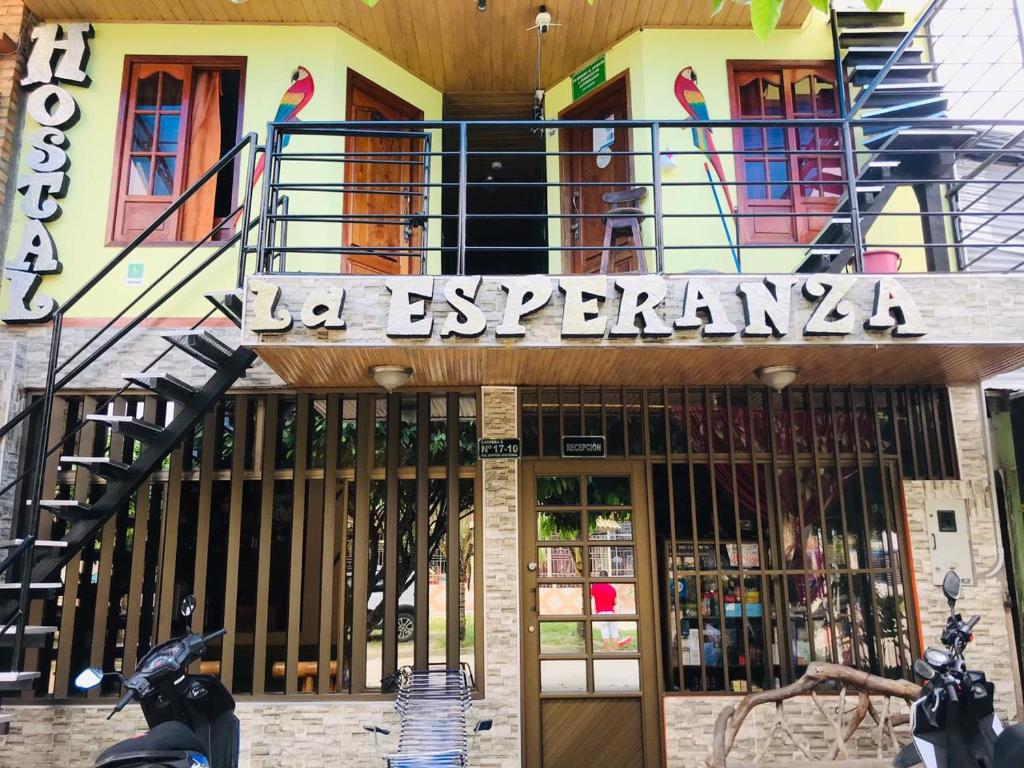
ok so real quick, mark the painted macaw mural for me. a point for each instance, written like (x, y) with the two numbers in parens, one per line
(294, 100)
(692, 100)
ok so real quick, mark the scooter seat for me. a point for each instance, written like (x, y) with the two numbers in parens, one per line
(167, 743)
(1009, 748)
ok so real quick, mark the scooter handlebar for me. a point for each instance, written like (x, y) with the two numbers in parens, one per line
(207, 639)
(124, 702)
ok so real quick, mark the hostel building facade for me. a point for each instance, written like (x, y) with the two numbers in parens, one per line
(636, 364)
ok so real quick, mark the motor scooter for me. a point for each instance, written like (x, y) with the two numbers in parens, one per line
(191, 718)
(954, 723)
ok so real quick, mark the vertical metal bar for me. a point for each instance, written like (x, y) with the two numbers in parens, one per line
(206, 465)
(850, 171)
(659, 221)
(941, 458)
(169, 545)
(754, 467)
(328, 598)
(454, 554)
(867, 526)
(672, 556)
(823, 529)
(138, 562)
(235, 511)
(297, 565)
(243, 248)
(264, 235)
(44, 525)
(921, 392)
(259, 650)
(782, 630)
(912, 429)
(463, 172)
(739, 537)
(421, 599)
(837, 58)
(282, 256)
(72, 576)
(718, 577)
(389, 653)
(38, 470)
(425, 232)
(105, 567)
(360, 556)
(696, 539)
(892, 530)
(854, 639)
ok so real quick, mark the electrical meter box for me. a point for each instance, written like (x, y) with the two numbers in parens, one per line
(949, 539)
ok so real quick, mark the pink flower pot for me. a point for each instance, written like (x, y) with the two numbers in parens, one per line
(882, 261)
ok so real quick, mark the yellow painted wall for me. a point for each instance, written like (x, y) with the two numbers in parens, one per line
(653, 58)
(272, 54)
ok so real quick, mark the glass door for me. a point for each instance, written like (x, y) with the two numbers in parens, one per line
(588, 616)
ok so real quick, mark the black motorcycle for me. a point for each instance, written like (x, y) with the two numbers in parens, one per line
(954, 723)
(191, 718)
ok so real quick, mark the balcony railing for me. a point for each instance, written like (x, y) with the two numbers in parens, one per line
(936, 193)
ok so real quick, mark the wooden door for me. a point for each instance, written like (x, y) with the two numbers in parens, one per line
(384, 225)
(590, 174)
(589, 669)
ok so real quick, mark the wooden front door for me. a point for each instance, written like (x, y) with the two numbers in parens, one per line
(591, 171)
(589, 670)
(383, 224)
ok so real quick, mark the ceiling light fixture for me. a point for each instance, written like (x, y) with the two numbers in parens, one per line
(391, 377)
(778, 377)
(481, 5)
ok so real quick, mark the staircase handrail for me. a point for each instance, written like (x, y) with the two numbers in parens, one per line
(25, 551)
(248, 141)
(933, 7)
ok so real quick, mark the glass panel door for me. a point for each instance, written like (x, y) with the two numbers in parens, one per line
(587, 615)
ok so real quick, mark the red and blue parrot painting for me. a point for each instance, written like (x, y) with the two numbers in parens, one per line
(293, 101)
(693, 101)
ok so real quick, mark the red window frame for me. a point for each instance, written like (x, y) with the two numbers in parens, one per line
(128, 209)
(820, 166)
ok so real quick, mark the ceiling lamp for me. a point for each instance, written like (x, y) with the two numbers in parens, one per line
(391, 377)
(778, 377)
(481, 5)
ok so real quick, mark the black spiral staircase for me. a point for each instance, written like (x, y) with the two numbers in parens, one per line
(32, 567)
(890, 79)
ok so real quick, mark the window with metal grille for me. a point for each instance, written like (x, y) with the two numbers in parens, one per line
(316, 528)
(777, 518)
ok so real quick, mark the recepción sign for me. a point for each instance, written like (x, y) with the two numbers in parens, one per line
(579, 447)
(498, 448)
(588, 78)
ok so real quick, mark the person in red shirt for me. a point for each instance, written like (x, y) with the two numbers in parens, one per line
(604, 598)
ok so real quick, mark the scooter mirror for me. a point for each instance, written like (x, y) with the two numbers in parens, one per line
(88, 678)
(923, 669)
(188, 605)
(951, 588)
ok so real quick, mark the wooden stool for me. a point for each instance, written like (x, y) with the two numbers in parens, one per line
(624, 215)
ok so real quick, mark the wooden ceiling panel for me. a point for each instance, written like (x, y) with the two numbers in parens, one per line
(448, 43)
(334, 366)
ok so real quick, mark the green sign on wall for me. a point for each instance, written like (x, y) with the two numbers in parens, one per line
(588, 78)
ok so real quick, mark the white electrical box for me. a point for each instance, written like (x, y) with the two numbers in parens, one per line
(949, 539)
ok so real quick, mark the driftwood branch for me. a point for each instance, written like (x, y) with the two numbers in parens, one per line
(730, 719)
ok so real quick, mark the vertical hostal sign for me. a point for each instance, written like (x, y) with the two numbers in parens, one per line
(60, 54)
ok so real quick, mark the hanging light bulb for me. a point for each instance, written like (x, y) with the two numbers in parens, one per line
(481, 5)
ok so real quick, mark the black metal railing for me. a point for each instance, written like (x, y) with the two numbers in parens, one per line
(61, 371)
(812, 194)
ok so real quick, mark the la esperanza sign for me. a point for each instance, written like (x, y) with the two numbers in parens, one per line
(542, 309)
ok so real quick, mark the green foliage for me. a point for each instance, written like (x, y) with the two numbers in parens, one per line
(820, 5)
(716, 6)
(764, 16)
